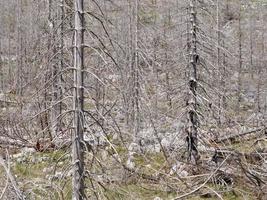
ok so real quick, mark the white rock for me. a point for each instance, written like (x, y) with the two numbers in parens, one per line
(179, 169)
(157, 148)
(133, 147)
(61, 163)
(48, 170)
(165, 143)
(157, 198)
(18, 155)
(27, 150)
(33, 159)
(183, 173)
(104, 154)
(130, 163)
(115, 136)
(21, 159)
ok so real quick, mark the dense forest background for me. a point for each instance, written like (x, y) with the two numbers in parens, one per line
(133, 99)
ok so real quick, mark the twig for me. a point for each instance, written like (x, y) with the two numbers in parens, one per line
(203, 184)
(12, 179)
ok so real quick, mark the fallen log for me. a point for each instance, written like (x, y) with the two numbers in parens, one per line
(232, 137)
(13, 143)
(256, 157)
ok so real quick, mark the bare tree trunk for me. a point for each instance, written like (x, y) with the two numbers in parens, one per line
(9, 56)
(251, 41)
(260, 72)
(1, 69)
(239, 86)
(54, 70)
(78, 104)
(223, 80)
(57, 66)
(130, 107)
(192, 127)
(61, 65)
(219, 66)
(167, 74)
(134, 63)
(136, 72)
(19, 49)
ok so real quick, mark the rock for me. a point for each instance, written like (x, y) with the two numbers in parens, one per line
(183, 173)
(165, 143)
(157, 198)
(48, 170)
(21, 159)
(104, 154)
(115, 136)
(130, 163)
(96, 140)
(27, 150)
(134, 147)
(18, 155)
(157, 148)
(33, 159)
(179, 169)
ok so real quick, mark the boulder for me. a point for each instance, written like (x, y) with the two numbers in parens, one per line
(179, 169)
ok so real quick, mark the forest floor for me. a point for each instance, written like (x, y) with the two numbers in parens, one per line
(47, 175)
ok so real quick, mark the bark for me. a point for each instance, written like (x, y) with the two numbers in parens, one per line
(53, 48)
(136, 72)
(240, 61)
(251, 43)
(219, 66)
(19, 49)
(78, 103)
(192, 129)
(1, 70)
(57, 66)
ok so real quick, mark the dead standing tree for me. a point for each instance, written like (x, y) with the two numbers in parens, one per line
(192, 123)
(78, 103)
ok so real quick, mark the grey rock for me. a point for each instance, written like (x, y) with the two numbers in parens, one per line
(134, 147)
(180, 169)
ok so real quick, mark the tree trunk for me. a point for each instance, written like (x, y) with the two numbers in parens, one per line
(1, 69)
(192, 127)
(239, 86)
(19, 49)
(136, 72)
(78, 104)
(54, 72)
(57, 66)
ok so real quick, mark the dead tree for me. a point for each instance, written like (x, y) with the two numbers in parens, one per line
(192, 126)
(78, 103)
